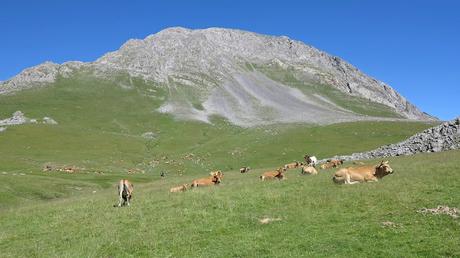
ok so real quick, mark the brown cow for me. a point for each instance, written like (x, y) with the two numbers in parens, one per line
(217, 173)
(331, 164)
(125, 192)
(292, 165)
(181, 188)
(212, 180)
(278, 174)
(308, 170)
(326, 165)
(336, 162)
(244, 169)
(353, 175)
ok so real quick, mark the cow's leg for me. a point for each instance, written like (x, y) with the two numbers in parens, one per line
(372, 179)
(127, 200)
(348, 180)
(120, 195)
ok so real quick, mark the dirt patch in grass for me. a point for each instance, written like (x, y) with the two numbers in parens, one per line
(453, 212)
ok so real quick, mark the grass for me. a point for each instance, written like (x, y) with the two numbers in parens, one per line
(318, 218)
(46, 214)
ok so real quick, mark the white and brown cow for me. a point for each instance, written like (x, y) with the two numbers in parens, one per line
(125, 192)
(311, 160)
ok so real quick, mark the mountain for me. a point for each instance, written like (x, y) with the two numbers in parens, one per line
(247, 78)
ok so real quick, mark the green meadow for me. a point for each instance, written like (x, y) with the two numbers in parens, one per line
(100, 132)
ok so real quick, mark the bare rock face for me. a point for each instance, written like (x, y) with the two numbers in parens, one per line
(439, 138)
(209, 61)
(39, 75)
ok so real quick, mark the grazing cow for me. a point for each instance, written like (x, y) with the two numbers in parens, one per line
(358, 163)
(292, 165)
(311, 160)
(244, 169)
(125, 192)
(353, 175)
(212, 180)
(307, 170)
(278, 174)
(177, 189)
(217, 173)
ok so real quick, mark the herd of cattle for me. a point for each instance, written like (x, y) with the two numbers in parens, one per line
(348, 175)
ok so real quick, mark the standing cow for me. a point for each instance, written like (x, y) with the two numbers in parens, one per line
(125, 192)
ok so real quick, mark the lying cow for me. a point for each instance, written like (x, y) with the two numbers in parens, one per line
(332, 163)
(311, 160)
(327, 165)
(125, 192)
(336, 162)
(308, 170)
(177, 189)
(212, 180)
(217, 173)
(278, 174)
(244, 169)
(292, 165)
(353, 175)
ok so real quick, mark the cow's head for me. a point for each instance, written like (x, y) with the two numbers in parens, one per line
(216, 179)
(383, 169)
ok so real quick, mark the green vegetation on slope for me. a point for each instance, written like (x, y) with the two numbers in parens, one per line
(318, 218)
(100, 129)
(101, 125)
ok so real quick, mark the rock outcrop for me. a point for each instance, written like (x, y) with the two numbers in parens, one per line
(439, 138)
(18, 118)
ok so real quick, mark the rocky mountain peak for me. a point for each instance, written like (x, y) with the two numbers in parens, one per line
(213, 62)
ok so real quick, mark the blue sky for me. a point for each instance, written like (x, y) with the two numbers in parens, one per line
(412, 45)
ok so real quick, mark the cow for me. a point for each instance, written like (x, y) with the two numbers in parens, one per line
(326, 165)
(278, 174)
(125, 192)
(310, 160)
(177, 189)
(212, 180)
(292, 165)
(217, 173)
(354, 175)
(336, 162)
(331, 163)
(244, 169)
(358, 163)
(307, 170)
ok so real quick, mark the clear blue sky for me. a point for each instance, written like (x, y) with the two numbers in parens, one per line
(412, 45)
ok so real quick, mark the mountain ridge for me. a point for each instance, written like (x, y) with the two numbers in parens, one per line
(204, 61)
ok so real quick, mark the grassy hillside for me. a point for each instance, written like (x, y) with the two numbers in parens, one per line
(99, 130)
(101, 125)
(318, 218)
